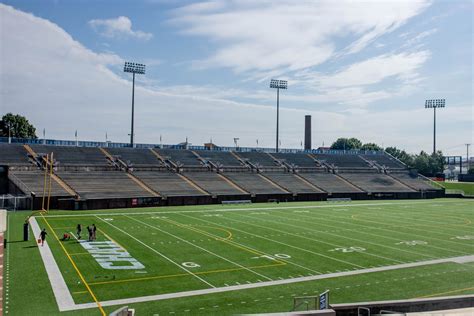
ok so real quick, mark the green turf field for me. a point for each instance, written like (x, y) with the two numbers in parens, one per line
(466, 187)
(151, 252)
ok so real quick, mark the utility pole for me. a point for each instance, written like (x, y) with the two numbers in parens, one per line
(467, 156)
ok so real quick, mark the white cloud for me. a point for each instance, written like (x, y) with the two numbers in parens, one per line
(376, 69)
(262, 36)
(62, 86)
(118, 28)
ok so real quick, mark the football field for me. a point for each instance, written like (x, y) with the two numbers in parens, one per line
(219, 259)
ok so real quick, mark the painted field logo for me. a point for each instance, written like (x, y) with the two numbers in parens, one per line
(111, 256)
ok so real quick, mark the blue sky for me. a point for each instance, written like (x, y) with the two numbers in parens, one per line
(362, 69)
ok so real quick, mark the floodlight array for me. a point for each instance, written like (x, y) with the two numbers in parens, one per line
(134, 68)
(435, 103)
(278, 84)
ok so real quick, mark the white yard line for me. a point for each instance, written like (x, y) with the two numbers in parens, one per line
(350, 238)
(281, 243)
(157, 252)
(270, 283)
(320, 241)
(249, 247)
(378, 226)
(337, 220)
(411, 202)
(203, 249)
(60, 289)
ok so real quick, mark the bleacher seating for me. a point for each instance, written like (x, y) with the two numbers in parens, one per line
(73, 156)
(213, 183)
(88, 171)
(13, 154)
(385, 160)
(375, 182)
(224, 158)
(253, 183)
(167, 183)
(330, 183)
(103, 185)
(299, 159)
(180, 156)
(291, 182)
(138, 157)
(260, 158)
(33, 181)
(413, 181)
(343, 161)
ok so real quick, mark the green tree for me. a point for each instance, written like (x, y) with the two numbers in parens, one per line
(401, 155)
(371, 146)
(471, 170)
(347, 144)
(16, 126)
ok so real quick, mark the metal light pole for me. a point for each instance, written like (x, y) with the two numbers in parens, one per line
(278, 84)
(434, 104)
(133, 68)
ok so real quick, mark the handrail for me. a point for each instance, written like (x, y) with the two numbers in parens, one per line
(21, 185)
(432, 182)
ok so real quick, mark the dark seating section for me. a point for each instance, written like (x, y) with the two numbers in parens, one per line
(74, 156)
(292, 183)
(375, 182)
(138, 157)
(330, 183)
(301, 160)
(413, 181)
(33, 181)
(167, 183)
(13, 154)
(385, 160)
(185, 157)
(253, 183)
(263, 159)
(343, 161)
(103, 185)
(225, 158)
(213, 183)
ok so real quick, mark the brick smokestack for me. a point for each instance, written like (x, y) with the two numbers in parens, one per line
(307, 132)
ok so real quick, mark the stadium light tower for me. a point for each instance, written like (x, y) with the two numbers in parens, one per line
(278, 84)
(133, 68)
(434, 104)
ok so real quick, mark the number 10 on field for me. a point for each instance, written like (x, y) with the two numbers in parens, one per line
(274, 257)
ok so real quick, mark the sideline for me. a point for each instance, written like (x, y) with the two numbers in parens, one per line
(271, 283)
(411, 202)
(60, 289)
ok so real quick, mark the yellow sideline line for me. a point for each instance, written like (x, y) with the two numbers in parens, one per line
(448, 292)
(184, 274)
(229, 237)
(76, 268)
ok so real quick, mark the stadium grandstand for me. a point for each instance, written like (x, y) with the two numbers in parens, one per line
(90, 175)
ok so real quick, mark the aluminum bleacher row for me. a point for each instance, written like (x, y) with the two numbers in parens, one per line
(93, 177)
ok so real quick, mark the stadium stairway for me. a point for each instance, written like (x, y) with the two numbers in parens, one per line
(194, 184)
(350, 183)
(143, 185)
(66, 187)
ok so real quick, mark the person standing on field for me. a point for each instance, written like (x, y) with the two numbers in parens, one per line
(42, 236)
(89, 230)
(79, 230)
(94, 230)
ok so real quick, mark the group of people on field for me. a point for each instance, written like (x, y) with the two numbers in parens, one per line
(66, 236)
(91, 230)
